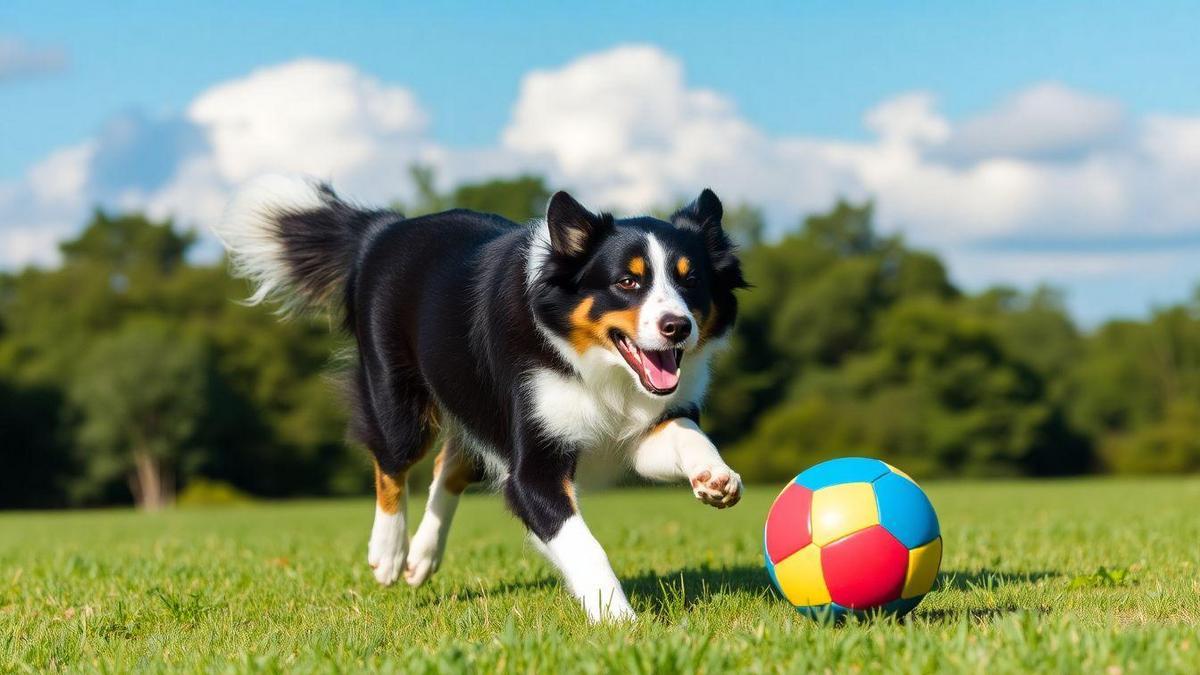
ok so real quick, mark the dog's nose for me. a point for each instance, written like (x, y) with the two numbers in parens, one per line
(674, 327)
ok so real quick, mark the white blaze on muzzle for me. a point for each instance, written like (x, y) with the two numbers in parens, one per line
(662, 300)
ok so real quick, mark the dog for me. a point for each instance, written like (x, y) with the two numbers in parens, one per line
(516, 347)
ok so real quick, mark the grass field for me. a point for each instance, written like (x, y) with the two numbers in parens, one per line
(1077, 576)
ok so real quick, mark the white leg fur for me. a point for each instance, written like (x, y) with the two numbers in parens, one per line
(389, 543)
(584, 566)
(429, 543)
(679, 449)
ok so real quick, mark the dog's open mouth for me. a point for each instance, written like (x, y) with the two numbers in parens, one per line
(657, 369)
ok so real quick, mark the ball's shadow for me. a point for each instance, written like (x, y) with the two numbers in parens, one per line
(989, 580)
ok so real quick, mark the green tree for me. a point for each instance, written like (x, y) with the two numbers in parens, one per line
(274, 422)
(520, 199)
(817, 295)
(127, 243)
(36, 461)
(141, 396)
(1136, 391)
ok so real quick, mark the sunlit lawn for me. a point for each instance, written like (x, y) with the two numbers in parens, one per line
(1089, 576)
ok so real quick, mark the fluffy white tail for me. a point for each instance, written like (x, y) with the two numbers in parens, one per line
(293, 238)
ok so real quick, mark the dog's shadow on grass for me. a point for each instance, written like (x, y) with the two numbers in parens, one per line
(663, 593)
(684, 588)
(678, 591)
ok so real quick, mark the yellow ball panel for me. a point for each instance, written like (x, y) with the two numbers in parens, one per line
(840, 510)
(923, 564)
(801, 578)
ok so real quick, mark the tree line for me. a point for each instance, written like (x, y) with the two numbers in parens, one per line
(129, 372)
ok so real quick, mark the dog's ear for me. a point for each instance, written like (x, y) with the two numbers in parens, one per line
(704, 215)
(703, 212)
(573, 229)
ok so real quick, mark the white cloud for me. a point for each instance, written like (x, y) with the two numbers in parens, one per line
(309, 116)
(624, 127)
(63, 175)
(1045, 121)
(626, 131)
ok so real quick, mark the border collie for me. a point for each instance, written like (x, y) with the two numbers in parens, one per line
(516, 347)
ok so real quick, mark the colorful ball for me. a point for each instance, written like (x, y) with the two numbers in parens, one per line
(852, 535)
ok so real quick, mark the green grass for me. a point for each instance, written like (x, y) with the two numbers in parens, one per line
(1086, 576)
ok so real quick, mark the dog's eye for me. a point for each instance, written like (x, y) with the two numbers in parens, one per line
(628, 283)
(689, 281)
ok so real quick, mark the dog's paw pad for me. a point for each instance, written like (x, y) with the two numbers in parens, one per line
(717, 486)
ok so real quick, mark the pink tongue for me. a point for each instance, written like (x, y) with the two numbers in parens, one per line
(661, 368)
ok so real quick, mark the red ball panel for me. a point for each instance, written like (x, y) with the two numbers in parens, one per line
(865, 569)
(789, 525)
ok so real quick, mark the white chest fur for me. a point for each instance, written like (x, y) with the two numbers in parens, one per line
(601, 406)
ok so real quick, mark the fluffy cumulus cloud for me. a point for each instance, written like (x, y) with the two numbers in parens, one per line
(310, 116)
(624, 128)
(1050, 184)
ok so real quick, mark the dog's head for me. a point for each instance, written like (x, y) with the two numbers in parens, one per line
(635, 293)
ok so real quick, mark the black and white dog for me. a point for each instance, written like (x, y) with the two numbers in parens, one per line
(519, 347)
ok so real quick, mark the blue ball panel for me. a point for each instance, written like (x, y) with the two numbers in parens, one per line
(832, 612)
(905, 511)
(844, 470)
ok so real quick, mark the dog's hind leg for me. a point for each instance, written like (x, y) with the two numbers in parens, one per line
(453, 470)
(397, 439)
(389, 533)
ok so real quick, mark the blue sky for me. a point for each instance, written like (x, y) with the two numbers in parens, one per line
(793, 73)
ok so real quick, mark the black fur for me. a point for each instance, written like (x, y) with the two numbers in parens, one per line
(446, 321)
(320, 246)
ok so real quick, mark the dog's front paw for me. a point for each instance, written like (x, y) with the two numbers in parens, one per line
(716, 485)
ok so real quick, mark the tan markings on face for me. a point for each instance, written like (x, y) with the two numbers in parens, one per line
(454, 470)
(587, 332)
(638, 266)
(683, 266)
(569, 490)
(389, 490)
(707, 322)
